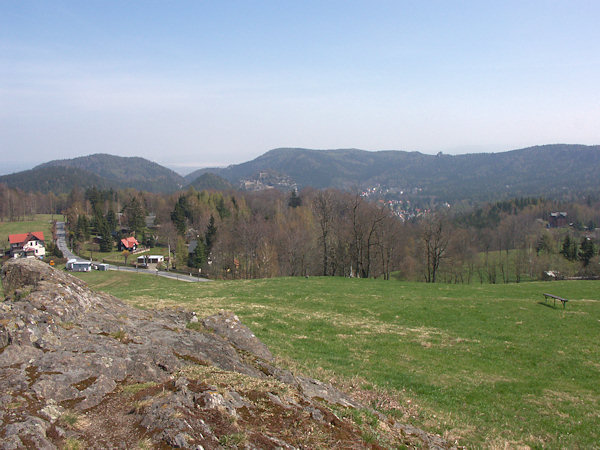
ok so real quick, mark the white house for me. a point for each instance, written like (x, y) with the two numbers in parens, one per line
(30, 245)
(78, 266)
(150, 259)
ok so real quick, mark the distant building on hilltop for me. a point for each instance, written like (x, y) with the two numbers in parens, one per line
(558, 220)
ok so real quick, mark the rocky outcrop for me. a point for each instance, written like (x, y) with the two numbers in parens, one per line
(79, 367)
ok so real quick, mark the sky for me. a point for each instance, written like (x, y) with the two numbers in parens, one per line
(191, 84)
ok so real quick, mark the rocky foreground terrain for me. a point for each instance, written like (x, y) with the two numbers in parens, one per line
(81, 369)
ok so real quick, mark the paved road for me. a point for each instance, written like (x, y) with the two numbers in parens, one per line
(61, 241)
(159, 273)
(62, 245)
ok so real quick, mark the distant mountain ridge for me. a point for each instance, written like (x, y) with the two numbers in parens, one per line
(546, 170)
(123, 172)
(134, 172)
(550, 171)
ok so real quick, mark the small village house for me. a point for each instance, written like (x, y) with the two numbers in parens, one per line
(29, 245)
(558, 220)
(129, 243)
(192, 246)
(144, 260)
(78, 266)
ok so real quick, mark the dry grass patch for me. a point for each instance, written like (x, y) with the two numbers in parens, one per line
(72, 443)
(224, 380)
(134, 388)
(553, 397)
(472, 378)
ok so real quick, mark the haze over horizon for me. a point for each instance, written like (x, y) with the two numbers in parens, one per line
(198, 84)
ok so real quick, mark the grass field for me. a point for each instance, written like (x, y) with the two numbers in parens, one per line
(487, 365)
(116, 256)
(40, 222)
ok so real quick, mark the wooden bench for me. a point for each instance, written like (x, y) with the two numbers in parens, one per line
(554, 297)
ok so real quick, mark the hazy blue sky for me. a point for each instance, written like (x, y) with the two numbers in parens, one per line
(204, 83)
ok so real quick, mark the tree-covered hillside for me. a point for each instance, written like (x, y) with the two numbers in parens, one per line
(56, 179)
(550, 171)
(122, 171)
(210, 181)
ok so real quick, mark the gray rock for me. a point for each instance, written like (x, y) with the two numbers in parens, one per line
(229, 326)
(126, 375)
(52, 411)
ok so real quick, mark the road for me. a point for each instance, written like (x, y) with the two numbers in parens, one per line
(159, 273)
(61, 241)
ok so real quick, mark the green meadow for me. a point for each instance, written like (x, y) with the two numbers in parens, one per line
(483, 365)
(39, 222)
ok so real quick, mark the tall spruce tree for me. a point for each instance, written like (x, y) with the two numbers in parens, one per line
(569, 248)
(135, 215)
(587, 250)
(198, 257)
(210, 235)
(294, 201)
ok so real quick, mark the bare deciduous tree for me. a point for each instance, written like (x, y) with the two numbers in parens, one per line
(323, 209)
(435, 237)
(366, 219)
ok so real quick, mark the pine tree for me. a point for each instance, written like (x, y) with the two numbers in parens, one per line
(135, 215)
(180, 214)
(294, 200)
(178, 219)
(587, 250)
(198, 257)
(106, 242)
(544, 244)
(111, 220)
(82, 230)
(210, 235)
(222, 209)
(569, 248)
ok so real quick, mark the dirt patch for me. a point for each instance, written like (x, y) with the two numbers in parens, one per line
(104, 425)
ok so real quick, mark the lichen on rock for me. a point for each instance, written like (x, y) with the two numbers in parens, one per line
(82, 366)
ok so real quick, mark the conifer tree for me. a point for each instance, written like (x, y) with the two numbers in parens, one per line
(587, 250)
(569, 248)
(210, 235)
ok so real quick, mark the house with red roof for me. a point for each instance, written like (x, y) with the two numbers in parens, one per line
(129, 243)
(30, 245)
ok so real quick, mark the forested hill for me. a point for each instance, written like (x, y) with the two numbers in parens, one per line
(209, 182)
(122, 172)
(54, 179)
(549, 171)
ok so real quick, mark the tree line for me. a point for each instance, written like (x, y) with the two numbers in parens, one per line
(331, 233)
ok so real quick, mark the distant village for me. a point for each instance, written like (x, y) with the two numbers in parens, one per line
(392, 198)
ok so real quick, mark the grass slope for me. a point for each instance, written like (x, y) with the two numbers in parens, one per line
(487, 365)
(39, 222)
